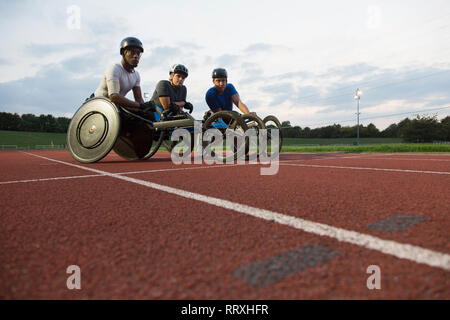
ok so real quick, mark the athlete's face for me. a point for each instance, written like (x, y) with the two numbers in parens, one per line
(132, 56)
(220, 84)
(177, 79)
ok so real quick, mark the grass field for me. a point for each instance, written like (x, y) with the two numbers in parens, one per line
(29, 140)
(366, 145)
(338, 141)
(385, 148)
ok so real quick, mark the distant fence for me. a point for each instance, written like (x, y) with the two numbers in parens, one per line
(36, 147)
(8, 147)
(49, 146)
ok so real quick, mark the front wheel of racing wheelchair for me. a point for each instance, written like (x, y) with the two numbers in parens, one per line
(272, 122)
(99, 126)
(269, 123)
(224, 121)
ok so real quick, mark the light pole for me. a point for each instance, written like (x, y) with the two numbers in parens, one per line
(357, 97)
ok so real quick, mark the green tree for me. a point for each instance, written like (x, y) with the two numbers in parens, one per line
(306, 132)
(402, 126)
(286, 124)
(445, 129)
(47, 123)
(390, 132)
(62, 124)
(422, 129)
(9, 121)
(372, 131)
(29, 123)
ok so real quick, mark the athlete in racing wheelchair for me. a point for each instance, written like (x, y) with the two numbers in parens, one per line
(109, 121)
(223, 95)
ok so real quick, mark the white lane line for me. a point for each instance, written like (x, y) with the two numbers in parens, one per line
(120, 173)
(324, 158)
(406, 159)
(185, 168)
(399, 250)
(51, 179)
(363, 168)
(284, 162)
(434, 154)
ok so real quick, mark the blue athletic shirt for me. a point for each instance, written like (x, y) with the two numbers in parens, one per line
(216, 100)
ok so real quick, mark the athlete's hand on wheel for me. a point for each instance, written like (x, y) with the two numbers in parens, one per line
(148, 106)
(172, 110)
(189, 106)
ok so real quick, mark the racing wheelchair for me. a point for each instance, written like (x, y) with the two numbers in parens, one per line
(252, 120)
(100, 126)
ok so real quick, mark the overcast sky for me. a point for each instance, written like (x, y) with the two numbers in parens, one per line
(299, 60)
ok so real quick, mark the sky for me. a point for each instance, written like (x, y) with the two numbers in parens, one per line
(301, 61)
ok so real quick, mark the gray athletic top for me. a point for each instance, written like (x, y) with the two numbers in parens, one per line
(165, 89)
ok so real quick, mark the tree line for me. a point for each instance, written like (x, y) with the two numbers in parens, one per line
(418, 129)
(30, 122)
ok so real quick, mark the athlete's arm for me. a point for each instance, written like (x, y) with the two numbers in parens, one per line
(210, 102)
(165, 101)
(237, 101)
(137, 93)
(124, 102)
(113, 85)
(183, 96)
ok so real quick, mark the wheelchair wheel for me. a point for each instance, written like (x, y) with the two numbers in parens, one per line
(253, 122)
(93, 130)
(271, 122)
(135, 139)
(158, 138)
(225, 121)
(162, 138)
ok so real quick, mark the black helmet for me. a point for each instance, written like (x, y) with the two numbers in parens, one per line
(179, 68)
(219, 73)
(130, 42)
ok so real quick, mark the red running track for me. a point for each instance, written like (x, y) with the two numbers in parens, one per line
(134, 238)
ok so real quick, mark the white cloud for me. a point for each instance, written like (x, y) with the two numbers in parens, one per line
(301, 61)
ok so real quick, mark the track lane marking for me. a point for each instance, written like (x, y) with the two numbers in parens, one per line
(318, 158)
(184, 168)
(396, 249)
(282, 162)
(51, 179)
(365, 157)
(364, 168)
(405, 159)
(120, 173)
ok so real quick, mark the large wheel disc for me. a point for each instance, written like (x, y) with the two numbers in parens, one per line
(93, 130)
(135, 139)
